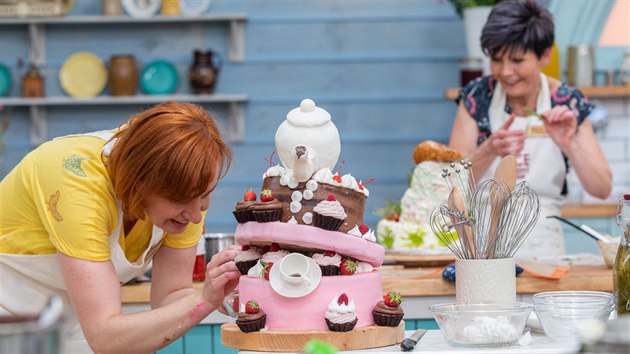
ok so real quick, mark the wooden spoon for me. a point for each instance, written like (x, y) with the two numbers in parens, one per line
(506, 172)
(456, 201)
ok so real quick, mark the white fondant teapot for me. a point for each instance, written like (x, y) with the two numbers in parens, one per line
(307, 141)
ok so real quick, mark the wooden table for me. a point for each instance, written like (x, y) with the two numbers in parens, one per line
(420, 282)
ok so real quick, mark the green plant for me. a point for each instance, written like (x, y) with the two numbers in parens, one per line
(460, 5)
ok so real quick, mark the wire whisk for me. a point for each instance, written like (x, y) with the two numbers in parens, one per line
(449, 226)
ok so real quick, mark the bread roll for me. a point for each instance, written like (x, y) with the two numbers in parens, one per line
(431, 151)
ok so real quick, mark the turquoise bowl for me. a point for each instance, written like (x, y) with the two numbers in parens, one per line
(159, 78)
(5, 81)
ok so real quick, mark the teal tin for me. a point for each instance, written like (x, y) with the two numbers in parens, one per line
(159, 78)
(5, 81)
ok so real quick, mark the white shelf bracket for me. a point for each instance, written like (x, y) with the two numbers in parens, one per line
(236, 41)
(39, 125)
(237, 121)
(37, 36)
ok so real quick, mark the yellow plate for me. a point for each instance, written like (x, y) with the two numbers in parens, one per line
(83, 74)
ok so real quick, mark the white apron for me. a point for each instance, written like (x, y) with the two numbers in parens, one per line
(542, 165)
(26, 281)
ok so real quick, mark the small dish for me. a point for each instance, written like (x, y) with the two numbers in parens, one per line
(159, 78)
(141, 9)
(194, 7)
(5, 81)
(280, 286)
(83, 75)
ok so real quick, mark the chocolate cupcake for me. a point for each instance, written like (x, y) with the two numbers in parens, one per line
(247, 258)
(243, 210)
(388, 312)
(251, 318)
(268, 209)
(328, 262)
(329, 214)
(340, 316)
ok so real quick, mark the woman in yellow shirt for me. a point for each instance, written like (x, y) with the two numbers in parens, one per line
(82, 214)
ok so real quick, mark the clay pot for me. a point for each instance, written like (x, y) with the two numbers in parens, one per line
(203, 72)
(33, 83)
(123, 75)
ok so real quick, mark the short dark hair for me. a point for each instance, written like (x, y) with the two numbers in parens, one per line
(518, 25)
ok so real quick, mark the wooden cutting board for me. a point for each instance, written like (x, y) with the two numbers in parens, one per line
(294, 341)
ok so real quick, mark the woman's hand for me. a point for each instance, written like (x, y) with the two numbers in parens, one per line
(504, 142)
(561, 125)
(221, 276)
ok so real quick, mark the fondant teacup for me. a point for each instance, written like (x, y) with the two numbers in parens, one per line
(294, 268)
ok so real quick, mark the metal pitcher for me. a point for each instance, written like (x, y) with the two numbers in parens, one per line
(581, 65)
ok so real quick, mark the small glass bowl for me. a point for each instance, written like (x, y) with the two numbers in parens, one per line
(481, 325)
(559, 312)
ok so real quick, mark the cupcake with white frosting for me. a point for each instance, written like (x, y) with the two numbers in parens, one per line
(340, 316)
(247, 258)
(329, 214)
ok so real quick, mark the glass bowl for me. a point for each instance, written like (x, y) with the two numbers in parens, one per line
(481, 325)
(559, 312)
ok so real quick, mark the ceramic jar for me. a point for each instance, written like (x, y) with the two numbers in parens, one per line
(112, 8)
(203, 72)
(123, 75)
(33, 83)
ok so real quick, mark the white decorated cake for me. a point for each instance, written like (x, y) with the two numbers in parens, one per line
(406, 228)
(305, 248)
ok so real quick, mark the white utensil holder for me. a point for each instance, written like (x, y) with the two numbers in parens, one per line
(483, 281)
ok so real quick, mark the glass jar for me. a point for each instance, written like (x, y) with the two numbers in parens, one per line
(621, 268)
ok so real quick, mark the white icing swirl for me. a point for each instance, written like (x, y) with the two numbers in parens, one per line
(293, 182)
(312, 185)
(256, 271)
(292, 220)
(363, 267)
(323, 260)
(307, 218)
(275, 171)
(330, 208)
(284, 180)
(274, 257)
(355, 231)
(296, 196)
(369, 236)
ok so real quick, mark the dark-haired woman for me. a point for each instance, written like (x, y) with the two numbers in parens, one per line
(495, 119)
(85, 213)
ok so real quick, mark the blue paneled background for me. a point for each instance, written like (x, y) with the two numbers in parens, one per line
(379, 67)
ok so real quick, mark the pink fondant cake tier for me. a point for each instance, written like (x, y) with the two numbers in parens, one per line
(307, 312)
(310, 237)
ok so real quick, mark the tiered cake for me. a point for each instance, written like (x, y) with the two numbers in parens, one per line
(408, 230)
(332, 285)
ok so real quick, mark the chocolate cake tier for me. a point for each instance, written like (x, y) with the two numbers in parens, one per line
(352, 201)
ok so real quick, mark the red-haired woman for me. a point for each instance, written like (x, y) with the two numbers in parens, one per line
(83, 214)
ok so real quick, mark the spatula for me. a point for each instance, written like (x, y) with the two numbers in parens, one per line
(506, 173)
(456, 201)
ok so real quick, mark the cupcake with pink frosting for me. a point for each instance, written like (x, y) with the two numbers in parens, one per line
(328, 262)
(247, 258)
(329, 214)
(340, 316)
(274, 255)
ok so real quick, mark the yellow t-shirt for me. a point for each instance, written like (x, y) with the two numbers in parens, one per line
(60, 197)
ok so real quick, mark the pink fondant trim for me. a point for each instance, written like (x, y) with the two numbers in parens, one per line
(310, 237)
(307, 312)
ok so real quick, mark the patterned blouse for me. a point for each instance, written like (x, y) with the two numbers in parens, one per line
(478, 94)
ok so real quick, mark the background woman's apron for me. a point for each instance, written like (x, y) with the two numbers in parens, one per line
(27, 281)
(542, 165)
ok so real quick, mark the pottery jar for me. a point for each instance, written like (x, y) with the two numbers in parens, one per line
(33, 83)
(204, 71)
(123, 75)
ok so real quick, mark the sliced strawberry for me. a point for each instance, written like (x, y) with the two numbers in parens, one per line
(266, 195)
(251, 306)
(348, 266)
(392, 299)
(245, 247)
(274, 247)
(337, 178)
(329, 254)
(249, 196)
(331, 198)
(264, 249)
(363, 229)
(266, 269)
(343, 299)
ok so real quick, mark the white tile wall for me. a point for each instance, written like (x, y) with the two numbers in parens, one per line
(615, 142)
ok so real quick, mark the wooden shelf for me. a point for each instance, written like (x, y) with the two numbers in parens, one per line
(589, 211)
(97, 19)
(120, 100)
(590, 92)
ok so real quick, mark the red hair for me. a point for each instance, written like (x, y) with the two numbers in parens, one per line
(173, 150)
